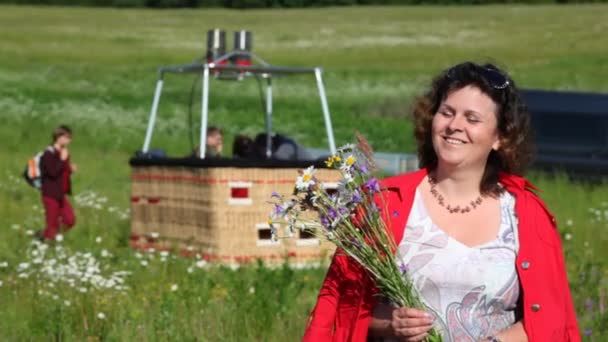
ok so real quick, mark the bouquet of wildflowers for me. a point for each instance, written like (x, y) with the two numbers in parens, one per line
(349, 217)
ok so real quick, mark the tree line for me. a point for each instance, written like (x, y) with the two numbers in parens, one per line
(242, 4)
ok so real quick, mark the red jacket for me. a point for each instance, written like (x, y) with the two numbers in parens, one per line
(345, 301)
(56, 175)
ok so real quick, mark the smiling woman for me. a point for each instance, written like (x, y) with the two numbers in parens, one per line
(479, 246)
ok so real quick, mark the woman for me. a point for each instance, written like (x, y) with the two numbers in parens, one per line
(481, 247)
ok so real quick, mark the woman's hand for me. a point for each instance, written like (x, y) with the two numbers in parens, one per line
(411, 324)
(407, 324)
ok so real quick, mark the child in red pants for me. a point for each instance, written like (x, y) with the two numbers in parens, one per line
(56, 184)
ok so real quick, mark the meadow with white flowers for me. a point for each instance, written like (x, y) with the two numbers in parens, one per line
(89, 284)
(94, 69)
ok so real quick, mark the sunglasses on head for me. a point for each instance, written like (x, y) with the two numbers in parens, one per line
(494, 77)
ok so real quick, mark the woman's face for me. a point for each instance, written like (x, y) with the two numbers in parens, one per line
(465, 128)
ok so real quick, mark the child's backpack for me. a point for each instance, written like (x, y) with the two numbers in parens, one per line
(33, 172)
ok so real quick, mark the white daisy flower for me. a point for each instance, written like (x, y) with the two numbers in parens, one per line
(305, 180)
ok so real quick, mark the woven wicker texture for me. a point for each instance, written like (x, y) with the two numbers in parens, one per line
(221, 212)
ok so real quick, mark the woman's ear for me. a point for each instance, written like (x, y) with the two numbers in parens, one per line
(497, 143)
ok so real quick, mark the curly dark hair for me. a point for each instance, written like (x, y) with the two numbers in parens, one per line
(513, 120)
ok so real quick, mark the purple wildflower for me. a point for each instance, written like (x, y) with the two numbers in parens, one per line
(278, 210)
(402, 268)
(356, 198)
(332, 213)
(362, 168)
(325, 221)
(372, 185)
(343, 211)
(588, 332)
(275, 194)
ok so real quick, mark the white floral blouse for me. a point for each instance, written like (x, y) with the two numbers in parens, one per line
(472, 291)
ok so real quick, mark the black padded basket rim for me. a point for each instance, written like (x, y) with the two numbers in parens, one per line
(226, 162)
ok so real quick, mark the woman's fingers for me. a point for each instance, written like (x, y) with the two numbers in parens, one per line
(411, 313)
(405, 317)
(413, 331)
(401, 323)
(416, 322)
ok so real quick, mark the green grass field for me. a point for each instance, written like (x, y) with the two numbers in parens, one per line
(95, 69)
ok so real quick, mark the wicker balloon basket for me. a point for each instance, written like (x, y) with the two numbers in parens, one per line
(218, 210)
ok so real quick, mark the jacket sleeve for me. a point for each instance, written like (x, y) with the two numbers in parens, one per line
(321, 321)
(51, 165)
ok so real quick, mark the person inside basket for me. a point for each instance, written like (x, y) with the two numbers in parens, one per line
(243, 147)
(282, 146)
(56, 170)
(479, 245)
(214, 144)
